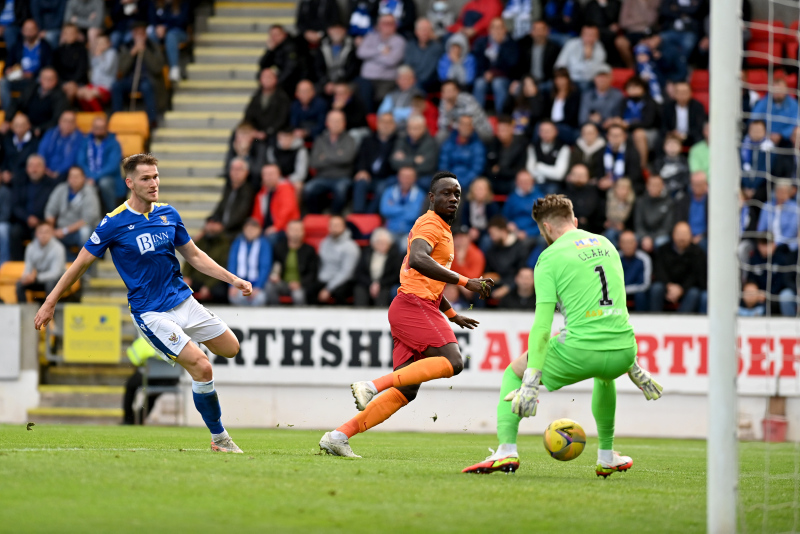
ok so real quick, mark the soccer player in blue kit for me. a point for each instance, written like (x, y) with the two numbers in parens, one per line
(142, 236)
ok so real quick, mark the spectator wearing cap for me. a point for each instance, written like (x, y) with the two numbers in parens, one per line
(654, 216)
(496, 58)
(214, 242)
(312, 18)
(416, 148)
(332, 157)
(250, 258)
(474, 18)
(521, 296)
(602, 102)
(275, 204)
(456, 103)
(307, 113)
(294, 269)
(59, 145)
(398, 102)
(268, 110)
(381, 52)
(402, 204)
(373, 165)
(73, 208)
(538, 54)
(463, 153)
(335, 60)
(637, 268)
(684, 116)
(422, 54)
(281, 55)
(548, 159)
(377, 275)
(582, 56)
(237, 197)
(507, 155)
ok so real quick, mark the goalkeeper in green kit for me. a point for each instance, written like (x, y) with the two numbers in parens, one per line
(582, 274)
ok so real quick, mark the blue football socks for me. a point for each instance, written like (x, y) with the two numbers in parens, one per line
(207, 403)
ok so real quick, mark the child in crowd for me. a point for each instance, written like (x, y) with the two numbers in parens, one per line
(673, 166)
(457, 63)
(646, 67)
(752, 303)
(103, 62)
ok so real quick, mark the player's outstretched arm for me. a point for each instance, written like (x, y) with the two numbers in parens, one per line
(203, 263)
(419, 259)
(73, 274)
(460, 320)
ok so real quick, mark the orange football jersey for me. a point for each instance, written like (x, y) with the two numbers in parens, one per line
(436, 232)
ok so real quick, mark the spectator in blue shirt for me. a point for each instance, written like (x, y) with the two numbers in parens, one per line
(250, 259)
(463, 153)
(693, 208)
(780, 215)
(519, 205)
(402, 204)
(778, 110)
(23, 63)
(59, 146)
(398, 102)
(99, 156)
(757, 156)
(307, 113)
(496, 57)
(637, 268)
(423, 53)
(168, 22)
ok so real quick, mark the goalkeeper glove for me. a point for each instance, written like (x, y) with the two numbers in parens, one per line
(651, 389)
(525, 399)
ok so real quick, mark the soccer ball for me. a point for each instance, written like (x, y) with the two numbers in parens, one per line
(564, 439)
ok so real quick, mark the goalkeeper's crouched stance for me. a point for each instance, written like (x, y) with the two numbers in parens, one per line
(582, 273)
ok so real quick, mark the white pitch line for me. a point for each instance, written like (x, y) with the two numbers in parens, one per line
(68, 449)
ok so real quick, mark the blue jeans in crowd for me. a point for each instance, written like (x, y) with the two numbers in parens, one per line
(499, 90)
(362, 189)
(788, 303)
(5, 239)
(123, 87)
(317, 190)
(172, 43)
(676, 47)
(11, 35)
(689, 303)
(119, 38)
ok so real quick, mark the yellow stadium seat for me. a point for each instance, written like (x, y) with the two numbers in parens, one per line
(40, 295)
(130, 122)
(131, 143)
(10, 272)
(84, 120)
(2, 115)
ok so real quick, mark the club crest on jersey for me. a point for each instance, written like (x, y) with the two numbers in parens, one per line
(585, 243)
(164, 219)
(173, 338)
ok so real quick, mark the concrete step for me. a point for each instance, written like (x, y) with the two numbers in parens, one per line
(107, 283)
(188, 184)
(80, 396)
(189, 198)
(196, 102)
(254, 9)
(73, 416)
(217, 54)
(200, 151)
(215, 71)
(226, 24)
(181, 167)
(237, 38)
(88, 375)
(245, 87)
(105, 300)
(203, 119)
(180, 135)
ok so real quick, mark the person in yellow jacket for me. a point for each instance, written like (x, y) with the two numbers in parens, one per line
(138, 353)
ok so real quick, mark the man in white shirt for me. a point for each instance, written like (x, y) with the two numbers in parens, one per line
(582, 57)
(548, 159)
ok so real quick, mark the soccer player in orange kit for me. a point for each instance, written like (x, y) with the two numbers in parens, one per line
(425, 347)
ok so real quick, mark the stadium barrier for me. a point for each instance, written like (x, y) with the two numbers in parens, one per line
(295, 365)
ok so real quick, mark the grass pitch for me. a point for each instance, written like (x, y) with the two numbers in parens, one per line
(154, 479)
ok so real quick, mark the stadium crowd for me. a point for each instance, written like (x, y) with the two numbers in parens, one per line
(604, 101)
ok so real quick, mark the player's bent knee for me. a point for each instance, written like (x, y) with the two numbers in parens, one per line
(204, 371)
(457, 362)
(410, 392)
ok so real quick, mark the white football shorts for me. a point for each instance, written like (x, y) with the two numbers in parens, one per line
(168, 332)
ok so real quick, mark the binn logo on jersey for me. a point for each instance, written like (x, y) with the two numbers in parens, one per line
(149, 242)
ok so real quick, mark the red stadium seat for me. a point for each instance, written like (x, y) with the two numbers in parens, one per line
(702, 98)
(758, 79)
(762, 53)
(699, 81)
(365, 222)
(791, 81)
(493, 122)
(620, 76)
(791, 50)
(760, 30)
(372, 122)
(316, 227)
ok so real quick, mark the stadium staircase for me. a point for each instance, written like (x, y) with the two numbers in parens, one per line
(191, 144)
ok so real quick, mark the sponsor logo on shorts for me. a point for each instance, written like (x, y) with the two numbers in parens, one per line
(95, 238)
(174, 338)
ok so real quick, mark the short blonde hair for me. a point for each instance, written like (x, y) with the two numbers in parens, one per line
(552, 207)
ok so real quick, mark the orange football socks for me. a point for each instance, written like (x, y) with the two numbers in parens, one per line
(376, 412)
(416, 373)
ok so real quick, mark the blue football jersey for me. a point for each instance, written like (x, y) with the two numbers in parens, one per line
(143, 250)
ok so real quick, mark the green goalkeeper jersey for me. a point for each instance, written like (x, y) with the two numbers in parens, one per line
(582, 272)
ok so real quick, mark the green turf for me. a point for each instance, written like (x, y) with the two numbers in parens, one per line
(165, 480)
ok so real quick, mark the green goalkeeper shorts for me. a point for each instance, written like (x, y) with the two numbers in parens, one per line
(564, 366)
